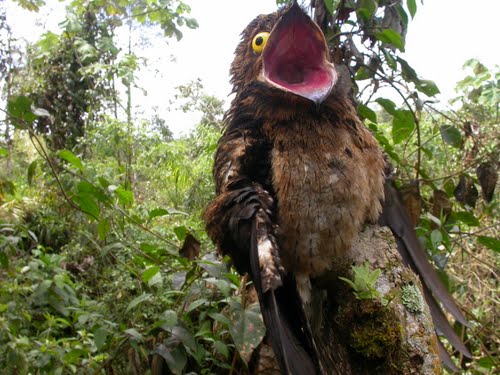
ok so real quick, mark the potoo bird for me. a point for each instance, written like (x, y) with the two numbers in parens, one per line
(297, 177)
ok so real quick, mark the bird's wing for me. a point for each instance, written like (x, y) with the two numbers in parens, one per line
(240, 220)
(396, 218)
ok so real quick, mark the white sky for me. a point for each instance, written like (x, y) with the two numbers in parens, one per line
(443, 35)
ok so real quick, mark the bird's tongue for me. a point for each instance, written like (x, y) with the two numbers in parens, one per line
(295, 58)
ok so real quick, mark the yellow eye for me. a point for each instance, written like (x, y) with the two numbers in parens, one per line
(259, 41)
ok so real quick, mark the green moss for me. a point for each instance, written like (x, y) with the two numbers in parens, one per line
(376, 334)
(412, 298)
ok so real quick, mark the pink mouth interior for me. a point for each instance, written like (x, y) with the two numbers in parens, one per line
(294, 58)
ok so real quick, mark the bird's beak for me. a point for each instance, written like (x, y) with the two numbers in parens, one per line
(296, 57)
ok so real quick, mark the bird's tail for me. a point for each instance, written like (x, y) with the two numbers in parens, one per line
(285, 320)
(395, 217)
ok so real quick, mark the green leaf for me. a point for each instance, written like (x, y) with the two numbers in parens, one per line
(487, 362)
(329, 6)
(247, 330)
(148, 248)
(20, 108)
(490, 243)
(195, 304)
(100, 336)
(221, 348)
(366, 113)
(181, 232)
(150, 273)
(193, 23)
(4, 151)
(349, 282)
(391, 61)
(138, 300)
(392, 37)
(135, 334)
(103, 228)
(220, 318)
(366, 9)
(88, 188)
(184, 336)
(387, 104)
(74, 356)
(412, 7)
(87, 204)
(31, 171)
(125, 197)
(223, 285)
(436, 238)
(71, 158)
(175, 358)
(403, 125)
(465, 217)
(427, 87)
(409, 74)
(363, 73)
(451, 135)
(157, 212)
(4, 260)
(170, 318)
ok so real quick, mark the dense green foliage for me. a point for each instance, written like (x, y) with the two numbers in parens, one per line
(104, 263)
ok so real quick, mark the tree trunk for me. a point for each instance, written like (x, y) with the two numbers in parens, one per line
(368, 336)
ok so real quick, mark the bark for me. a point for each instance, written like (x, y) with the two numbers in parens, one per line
(365, 336)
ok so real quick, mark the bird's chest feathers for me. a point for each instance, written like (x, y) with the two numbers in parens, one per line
(327, 185)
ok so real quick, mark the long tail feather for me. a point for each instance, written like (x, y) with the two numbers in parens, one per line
(283, 316)
(443, 326)
(396, 218)
(446, 359)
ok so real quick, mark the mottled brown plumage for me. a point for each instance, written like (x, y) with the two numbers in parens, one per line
(297, 176)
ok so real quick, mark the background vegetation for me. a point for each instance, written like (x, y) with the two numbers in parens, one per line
(104, 263)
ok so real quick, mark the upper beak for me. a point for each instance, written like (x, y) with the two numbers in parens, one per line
(296, 57)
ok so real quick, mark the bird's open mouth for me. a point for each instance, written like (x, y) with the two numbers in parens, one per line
(295, 58)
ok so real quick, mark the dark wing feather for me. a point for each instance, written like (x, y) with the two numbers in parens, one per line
(285, 320)
(396, 218)
(237, 219)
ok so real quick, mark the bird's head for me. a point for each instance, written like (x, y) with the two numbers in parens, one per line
(285, 51)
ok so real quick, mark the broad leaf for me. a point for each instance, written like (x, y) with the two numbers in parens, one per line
(125, 197)
(20, 108)
(403, 125)
(175, 357)
(412, 7)
(87, 204)
(392, 37)
(181, 232)
(135, 334)
(103, 228)
(157, 212)
(427, 87)
(451, 135)
(490, 243)
(184, 336)
(466, 218)
(31, 171)
(71, 158)
(366, 9)
(388, 105)
(331, 5)
(137, 300)
(150, 273)
(366, 113)
(363, 73)
(409, 73)
(248, 330)
(100, 336)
